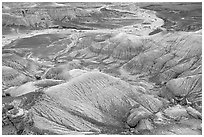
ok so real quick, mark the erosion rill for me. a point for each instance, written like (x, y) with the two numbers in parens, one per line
(102, 68)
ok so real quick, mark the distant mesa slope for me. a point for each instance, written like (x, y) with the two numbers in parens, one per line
(179, 16)
(176, 16)
(38, 16)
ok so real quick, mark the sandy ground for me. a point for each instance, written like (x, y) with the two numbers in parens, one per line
(136, 29)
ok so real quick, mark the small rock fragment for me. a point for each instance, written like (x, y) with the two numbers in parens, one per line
(144, 124)
(176, 112)
(136, 115)
(194, 113)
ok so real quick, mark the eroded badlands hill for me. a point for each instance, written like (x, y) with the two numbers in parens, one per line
(115, 79)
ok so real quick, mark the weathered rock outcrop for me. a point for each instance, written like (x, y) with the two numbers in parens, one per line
(186, 90)
(95, 103)
(92, 102)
